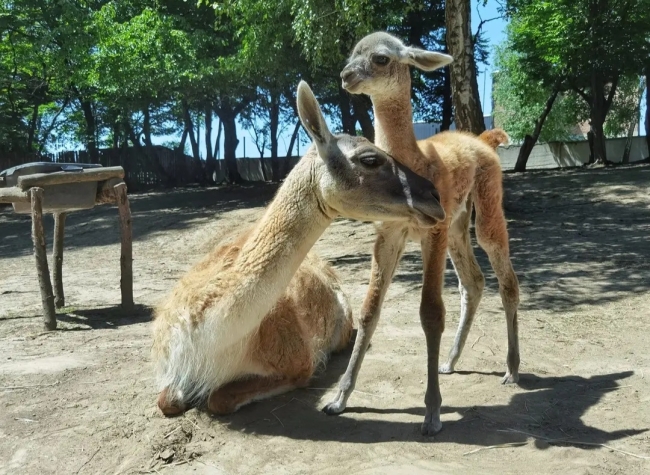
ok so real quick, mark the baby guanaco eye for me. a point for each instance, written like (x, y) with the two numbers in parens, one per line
(380, 59)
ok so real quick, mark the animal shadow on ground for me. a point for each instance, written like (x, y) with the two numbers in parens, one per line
(550, 408)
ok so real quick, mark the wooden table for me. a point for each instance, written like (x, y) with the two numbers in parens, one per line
(110, 189)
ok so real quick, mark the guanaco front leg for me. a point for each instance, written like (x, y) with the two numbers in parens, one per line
(432, 317)
(387, 252)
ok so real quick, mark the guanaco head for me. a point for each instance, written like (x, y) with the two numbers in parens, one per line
(379, 64)
(358, 180)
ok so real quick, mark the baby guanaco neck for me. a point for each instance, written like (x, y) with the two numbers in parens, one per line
(394, 123)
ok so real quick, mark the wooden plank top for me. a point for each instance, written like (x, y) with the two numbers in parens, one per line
(92, 174)
(13, 194)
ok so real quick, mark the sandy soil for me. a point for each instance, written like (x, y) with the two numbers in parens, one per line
(81, 399)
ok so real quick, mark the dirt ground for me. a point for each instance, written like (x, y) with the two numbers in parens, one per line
(82, 399)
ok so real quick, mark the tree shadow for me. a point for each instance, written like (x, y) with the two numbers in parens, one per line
(570, 244)
(155, 212)
(550, 408)
(104, 317)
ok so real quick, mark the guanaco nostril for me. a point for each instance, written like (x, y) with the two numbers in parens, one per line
(346, 74)
(435, 194)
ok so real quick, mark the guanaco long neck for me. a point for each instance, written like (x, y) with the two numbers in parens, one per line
(394, 123)
(292, 224)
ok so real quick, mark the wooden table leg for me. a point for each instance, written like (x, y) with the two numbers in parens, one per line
(59, 231)
(40, 253)
(126, 258)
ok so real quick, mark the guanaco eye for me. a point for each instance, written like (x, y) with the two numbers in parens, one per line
(380, 59)
(369, 160)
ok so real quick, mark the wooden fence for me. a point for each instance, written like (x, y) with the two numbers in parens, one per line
(161, 167)
(168, 167)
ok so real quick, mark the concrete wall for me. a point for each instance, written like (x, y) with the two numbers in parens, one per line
(571, 154)
(549, 155)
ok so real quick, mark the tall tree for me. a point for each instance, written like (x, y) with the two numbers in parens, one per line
(43, 53)
(529, 110)
(647, 105)
(273, 62)
(592, 43)
(464, 86)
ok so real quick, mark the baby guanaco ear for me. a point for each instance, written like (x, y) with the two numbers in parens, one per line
(425, 60)
(311, 116)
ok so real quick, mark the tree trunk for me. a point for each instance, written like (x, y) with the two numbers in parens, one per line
(151, 154)
(181, 144)
(447, 105)
(274, 119)
(265, 176)
(633, 123)
(146, 129)
(32, 128)
(531, 140)
(91, 144)
(294, 137)
(628, 144)
(361, 106)
(230, 142)
(189, 125)
(210, 161)
(198, 135)
(116, 134)
(597, 118)
(600, 105)
(464, 86)
(647, 108)
(217, 142)
(524, 153)
(125, 161)
(292, 142)
(347, 120)
(597, 123)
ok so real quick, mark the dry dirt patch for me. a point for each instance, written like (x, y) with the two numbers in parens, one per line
(81, 399)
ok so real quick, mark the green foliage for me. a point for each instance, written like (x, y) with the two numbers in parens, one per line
(625, 111)
(519, 100)
(110, 73)
(593, 48)
(42, 53)
(574, 37)
(138, 60)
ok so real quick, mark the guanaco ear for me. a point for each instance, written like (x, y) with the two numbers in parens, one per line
(425, 60)
(311, 116)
